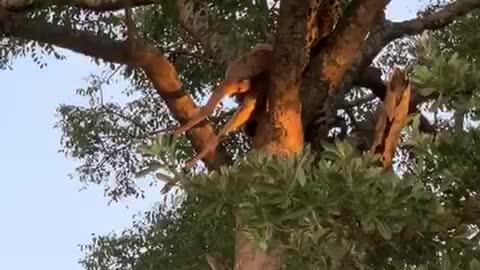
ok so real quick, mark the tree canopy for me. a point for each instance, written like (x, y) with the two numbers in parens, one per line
(365, 157)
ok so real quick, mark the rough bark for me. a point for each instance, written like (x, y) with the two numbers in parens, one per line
(281, 132)
(249, 257)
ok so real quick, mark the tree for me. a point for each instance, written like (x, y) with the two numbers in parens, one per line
(284, 204)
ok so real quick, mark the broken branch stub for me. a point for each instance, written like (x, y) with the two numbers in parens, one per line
(392, 116)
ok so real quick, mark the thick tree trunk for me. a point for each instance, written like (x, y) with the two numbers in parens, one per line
(280, 132)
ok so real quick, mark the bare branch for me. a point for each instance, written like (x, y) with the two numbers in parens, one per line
(435, 20)
(371, 79)
(387, 31)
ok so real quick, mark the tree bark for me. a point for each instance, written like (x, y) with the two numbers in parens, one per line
(159, 70)
(329, 64)
(280, 132)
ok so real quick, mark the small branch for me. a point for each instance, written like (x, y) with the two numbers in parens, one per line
(124, 117)
(371, 79)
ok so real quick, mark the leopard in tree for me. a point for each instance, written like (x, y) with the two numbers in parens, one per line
(242, 73)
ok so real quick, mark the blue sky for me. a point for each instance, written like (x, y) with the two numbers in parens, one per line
(43, 214)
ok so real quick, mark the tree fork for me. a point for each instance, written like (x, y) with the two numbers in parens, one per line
(280, 130)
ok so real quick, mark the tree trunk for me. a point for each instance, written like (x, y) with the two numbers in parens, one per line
(280, 130)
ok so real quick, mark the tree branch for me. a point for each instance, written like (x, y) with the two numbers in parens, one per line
(346, 41)
(158, 69)
(361, 74)
(435, 20)
(95, 5)
(387, 31)
(372, 80)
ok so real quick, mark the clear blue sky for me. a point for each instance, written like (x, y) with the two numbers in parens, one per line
(43, 216)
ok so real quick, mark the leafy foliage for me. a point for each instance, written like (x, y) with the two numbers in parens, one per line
(341, 210)
(163, 239)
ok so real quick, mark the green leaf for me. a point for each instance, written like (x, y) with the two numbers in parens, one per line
(383, 228)
(367, 223)
(294, 214)
(426, 91)
(336, 251)
(474, 264)
(277, 200)
(445, 263)
(268, 188)
(301, 177)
